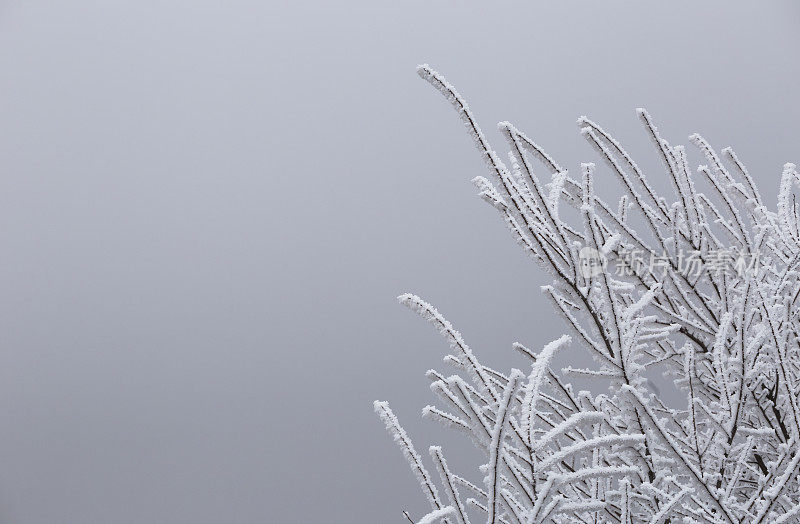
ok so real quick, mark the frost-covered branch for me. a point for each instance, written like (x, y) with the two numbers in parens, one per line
(696, 290)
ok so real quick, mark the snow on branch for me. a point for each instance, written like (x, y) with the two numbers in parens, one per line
(696, 290)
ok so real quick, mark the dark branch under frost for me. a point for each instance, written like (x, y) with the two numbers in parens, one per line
(728, 340)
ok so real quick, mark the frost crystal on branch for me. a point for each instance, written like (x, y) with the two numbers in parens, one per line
(726, 337)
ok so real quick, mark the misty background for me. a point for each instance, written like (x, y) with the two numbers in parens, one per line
(207, 210)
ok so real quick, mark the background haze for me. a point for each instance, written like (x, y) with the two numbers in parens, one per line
(207, 209)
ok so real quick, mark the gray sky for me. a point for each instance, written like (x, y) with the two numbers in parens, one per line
(207, 209)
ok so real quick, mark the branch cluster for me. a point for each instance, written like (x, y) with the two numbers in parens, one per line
(727, 340)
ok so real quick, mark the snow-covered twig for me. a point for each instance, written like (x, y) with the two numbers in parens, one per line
(724, 337)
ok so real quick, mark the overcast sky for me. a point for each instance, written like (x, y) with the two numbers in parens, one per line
(207, 210)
